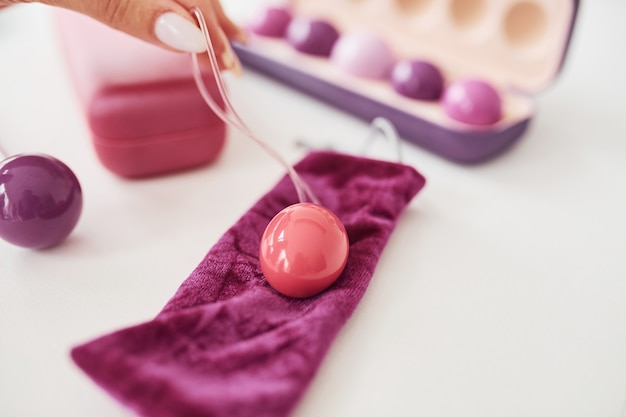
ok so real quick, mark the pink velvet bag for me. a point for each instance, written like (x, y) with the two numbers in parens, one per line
(227, 344)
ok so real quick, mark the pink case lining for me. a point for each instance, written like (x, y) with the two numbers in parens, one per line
(517, 45)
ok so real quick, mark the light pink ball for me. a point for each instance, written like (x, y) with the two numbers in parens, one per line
(364, 55)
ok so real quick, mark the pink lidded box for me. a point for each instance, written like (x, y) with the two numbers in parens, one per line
(144, 111)
(456, 77)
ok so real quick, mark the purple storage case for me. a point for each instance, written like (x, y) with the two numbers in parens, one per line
(518, 46)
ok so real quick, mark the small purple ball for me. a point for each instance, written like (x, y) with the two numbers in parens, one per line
(417, 79)
(472, 101)
(271, 22)
(41, 201)
(315, 37)
(364, 55)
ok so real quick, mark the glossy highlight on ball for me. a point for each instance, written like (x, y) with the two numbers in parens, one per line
(303, 250)
(363, 54)
(472, 101)
(272, 22)
(313, 37)
(40, 201)
(417, 79)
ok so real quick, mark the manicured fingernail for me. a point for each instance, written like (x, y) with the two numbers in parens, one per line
(231, 63)
(229, 59)
(242, 37)
(179, 33)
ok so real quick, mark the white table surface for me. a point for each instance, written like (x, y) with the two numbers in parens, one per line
(501, 293)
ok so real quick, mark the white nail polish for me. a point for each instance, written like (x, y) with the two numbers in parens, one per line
(179, 33)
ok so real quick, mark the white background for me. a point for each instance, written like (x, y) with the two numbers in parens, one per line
(501, 293)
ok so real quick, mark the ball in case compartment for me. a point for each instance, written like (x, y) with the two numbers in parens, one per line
(364, 55)
(271, 21)
(311, 36)
(472, 101)
(417, 79)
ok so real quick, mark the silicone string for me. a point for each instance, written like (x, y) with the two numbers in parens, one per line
(383, 126)
(380, 126)
(230, 116)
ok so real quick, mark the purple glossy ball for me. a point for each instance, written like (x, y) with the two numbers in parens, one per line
(314, 37)
(40, 199)
(417, 79)
(271, 22)
(472, 101)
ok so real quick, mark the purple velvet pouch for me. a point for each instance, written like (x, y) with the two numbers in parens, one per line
(227, 344)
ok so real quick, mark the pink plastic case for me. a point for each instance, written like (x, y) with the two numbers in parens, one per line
(518, 46)
(145, 113)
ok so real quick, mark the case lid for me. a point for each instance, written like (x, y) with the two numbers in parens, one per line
(517, 44)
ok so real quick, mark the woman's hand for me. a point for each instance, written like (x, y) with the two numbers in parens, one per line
(167, 23)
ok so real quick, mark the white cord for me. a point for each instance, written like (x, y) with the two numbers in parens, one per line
(389, 132)
(230, 116)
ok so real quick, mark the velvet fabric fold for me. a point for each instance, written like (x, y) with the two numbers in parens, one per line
(227, 344)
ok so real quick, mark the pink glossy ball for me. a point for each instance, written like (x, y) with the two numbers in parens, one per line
(271, 22)
(472, 101)
(303, 250)
(364, 55)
